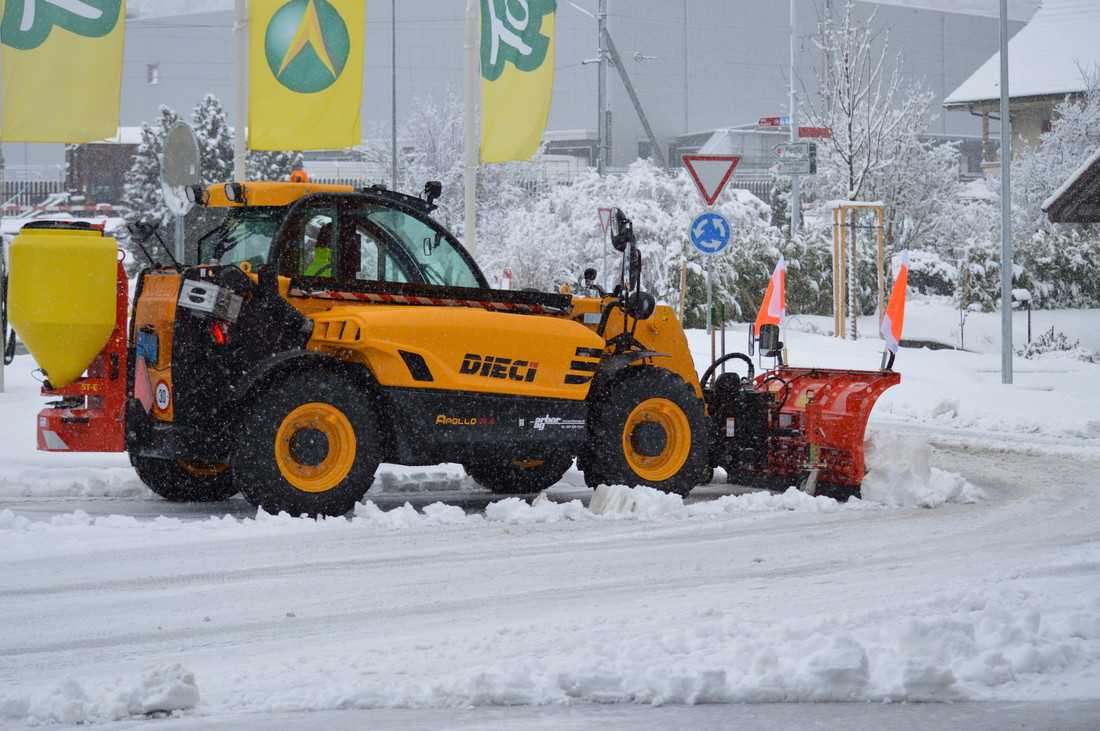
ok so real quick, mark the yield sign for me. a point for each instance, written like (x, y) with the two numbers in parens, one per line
(605, 219)
(710, 173)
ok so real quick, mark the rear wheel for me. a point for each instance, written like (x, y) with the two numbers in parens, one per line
(185, 481)
(509, 477)
(310, 445)
(647, 428)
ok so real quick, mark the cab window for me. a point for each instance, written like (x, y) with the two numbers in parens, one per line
(317, 245)
(436, 260)
(245, 236)
(377, 261)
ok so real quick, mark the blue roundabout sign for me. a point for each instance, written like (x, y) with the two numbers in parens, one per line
(710, 233)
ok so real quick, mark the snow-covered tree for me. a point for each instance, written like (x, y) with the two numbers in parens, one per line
(142, 198)
(432, 148)
(876, 151)
(1038, 171)
(272, 164)
(215, 140)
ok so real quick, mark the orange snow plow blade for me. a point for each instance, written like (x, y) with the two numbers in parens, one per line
(821, 419)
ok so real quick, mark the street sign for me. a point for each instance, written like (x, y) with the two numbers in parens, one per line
(773, 122)
(710, 173)
(710, 233)
(792, 149)
(820, 132)
(605, 219)
(794, 166)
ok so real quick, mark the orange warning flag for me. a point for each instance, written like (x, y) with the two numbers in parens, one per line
(773, 310)
(895, 308)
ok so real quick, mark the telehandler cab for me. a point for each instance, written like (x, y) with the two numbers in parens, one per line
(325, 330)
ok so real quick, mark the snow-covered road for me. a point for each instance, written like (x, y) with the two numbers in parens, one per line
(968, 574)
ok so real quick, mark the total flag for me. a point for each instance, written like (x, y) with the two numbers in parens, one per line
(517, 77)
(773, 310)
(305, 83)
(62, 69)
(895, 308)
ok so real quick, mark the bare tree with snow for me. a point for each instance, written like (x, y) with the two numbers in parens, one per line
(876, 150)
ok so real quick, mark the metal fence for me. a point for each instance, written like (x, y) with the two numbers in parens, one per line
(29, 192)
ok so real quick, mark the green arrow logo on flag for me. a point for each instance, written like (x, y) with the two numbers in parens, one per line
(307, 45)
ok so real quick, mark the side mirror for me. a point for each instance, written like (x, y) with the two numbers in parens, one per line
(432, 190)
(140, 232)
(770, 346)
(622, 230)
(589, 276)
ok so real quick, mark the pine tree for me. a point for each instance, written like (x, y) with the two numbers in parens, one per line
(273, 165)
(215, 141)
(142, 199)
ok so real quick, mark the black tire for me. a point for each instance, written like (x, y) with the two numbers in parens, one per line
(647, 427)
(309, 446)
(511, 477)
(182, 481)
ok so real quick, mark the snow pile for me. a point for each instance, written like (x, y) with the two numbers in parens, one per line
(160, 690)
(900, 474)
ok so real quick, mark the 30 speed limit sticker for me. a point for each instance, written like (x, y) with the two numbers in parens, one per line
(163, 396)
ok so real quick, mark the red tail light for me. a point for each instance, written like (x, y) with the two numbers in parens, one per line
(219, 332)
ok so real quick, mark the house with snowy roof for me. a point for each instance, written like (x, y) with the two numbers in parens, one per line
(1049, 60)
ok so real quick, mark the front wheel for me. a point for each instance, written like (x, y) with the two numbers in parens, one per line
(647, 427)
(310, 445)
(185, 481)
(510, 477)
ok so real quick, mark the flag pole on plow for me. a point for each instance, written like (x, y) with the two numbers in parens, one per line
(895, 314)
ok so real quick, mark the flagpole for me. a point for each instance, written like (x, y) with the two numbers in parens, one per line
(471, 149)
(240, 90)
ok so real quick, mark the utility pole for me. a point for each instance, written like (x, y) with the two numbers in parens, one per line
(393, 93)
(1006, 208)
(240, 103)
(796, 193)
(471, 148)
(601, 93)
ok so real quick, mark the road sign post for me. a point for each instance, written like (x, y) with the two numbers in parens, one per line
(710, 232)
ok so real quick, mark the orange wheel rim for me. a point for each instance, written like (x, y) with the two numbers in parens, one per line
(315, 447)
(656, 439)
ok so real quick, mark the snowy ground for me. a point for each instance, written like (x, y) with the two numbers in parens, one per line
(968, 573)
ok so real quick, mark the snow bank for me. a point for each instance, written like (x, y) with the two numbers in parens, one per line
(951, 647)
(160, 690)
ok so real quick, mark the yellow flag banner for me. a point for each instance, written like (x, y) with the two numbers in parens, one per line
(305, 74)
(62, 69)
(517, 76)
